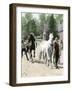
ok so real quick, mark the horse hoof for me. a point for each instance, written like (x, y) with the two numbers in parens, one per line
(32, 62)
(57, 67)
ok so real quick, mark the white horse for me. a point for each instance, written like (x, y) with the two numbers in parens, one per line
(46, 50)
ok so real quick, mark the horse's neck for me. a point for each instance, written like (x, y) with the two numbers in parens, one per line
(50, 41)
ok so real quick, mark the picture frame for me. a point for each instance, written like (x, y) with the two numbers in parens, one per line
(16, 77)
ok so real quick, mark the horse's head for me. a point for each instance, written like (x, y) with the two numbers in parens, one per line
(51, 36)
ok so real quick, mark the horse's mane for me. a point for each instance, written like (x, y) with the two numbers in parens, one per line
(32, 37)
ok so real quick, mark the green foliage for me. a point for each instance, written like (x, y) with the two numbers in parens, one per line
(28, 16)
(32, 27)
(42, 18)
(52, 26)
(30, 24)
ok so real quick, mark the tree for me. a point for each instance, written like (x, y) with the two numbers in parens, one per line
(23, 27)
(52, 26)
(59, 18)
(32, 27)
(28, 16)
(37, 24)
(42, 18)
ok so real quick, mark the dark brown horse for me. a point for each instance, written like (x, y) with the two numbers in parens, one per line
(31, 45)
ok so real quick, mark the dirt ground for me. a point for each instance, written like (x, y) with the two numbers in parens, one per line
(38, 68)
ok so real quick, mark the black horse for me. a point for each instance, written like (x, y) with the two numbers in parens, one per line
(31, 45)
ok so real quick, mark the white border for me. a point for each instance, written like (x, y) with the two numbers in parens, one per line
(20, 79)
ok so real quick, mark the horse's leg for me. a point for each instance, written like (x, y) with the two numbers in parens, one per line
(44, 55)
(26, 55)
(52, 60)
(22, 52)
(34, 53)
(47, 58)
(40, 55)
(57, 61)
(51, 57)
(30, 53)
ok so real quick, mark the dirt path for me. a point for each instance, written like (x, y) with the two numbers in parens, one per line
(38, 68)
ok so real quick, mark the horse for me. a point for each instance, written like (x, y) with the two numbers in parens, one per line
(31, 46)
(46, 50)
